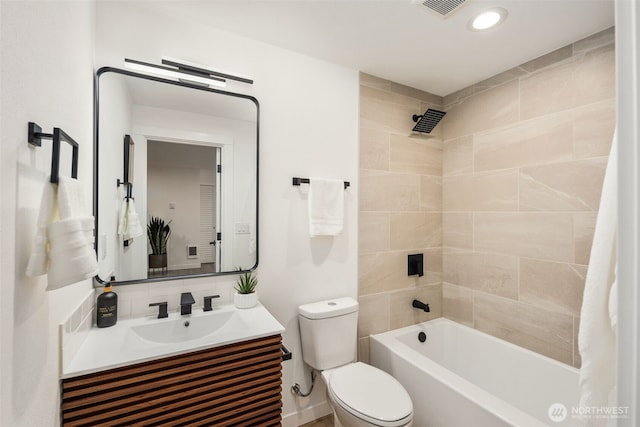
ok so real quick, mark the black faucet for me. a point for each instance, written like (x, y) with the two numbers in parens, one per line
(420, 305)
(186, 301)
(207, 302)
(162, 310)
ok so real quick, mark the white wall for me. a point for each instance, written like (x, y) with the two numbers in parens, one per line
(292, 89)
(46, 76)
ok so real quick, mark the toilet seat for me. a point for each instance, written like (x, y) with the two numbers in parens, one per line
(370, 394)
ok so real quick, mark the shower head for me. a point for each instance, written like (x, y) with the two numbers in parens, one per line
(426, 122)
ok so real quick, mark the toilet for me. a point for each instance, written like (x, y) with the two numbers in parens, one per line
(359, 394)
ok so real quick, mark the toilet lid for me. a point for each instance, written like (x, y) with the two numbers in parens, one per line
(370, 393)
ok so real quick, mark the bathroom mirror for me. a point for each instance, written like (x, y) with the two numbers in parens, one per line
(190, 160)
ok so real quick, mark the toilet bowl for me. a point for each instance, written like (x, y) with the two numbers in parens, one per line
(362, 395)
(359, 394)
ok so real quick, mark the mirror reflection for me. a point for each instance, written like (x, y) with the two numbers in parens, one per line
(180, 200)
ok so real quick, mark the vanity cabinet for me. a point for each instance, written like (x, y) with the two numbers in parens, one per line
(233, 385)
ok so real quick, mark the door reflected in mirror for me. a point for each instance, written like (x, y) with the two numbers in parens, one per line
(193, 166)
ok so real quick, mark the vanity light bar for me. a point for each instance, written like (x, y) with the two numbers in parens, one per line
(200, 69)
(181, 74)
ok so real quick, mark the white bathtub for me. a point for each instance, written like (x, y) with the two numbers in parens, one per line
(461, 377)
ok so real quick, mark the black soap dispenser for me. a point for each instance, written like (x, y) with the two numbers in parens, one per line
(107, 308)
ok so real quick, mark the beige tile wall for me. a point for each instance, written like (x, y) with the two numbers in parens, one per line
(524, 157)
(502, 199)
(400, 208)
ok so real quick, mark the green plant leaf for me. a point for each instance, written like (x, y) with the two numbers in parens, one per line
(158, 233)
(247, 283)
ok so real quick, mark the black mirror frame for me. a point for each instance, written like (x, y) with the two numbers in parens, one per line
(99, 282)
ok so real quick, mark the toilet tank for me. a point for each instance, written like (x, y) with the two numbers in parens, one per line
(329, 332)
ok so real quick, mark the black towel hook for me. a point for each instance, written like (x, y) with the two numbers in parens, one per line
(35, 137)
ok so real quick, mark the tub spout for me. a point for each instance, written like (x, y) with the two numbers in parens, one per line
(420, 305)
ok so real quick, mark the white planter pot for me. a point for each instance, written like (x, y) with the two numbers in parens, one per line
(245, 300)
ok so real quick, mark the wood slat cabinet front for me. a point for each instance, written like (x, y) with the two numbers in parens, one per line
(233, 385)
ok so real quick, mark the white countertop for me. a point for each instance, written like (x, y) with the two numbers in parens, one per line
(121, 345)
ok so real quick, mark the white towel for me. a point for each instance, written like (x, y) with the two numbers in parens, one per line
(129, 224)
(597, 337)
(63, 247)
(71, 253)
(133, 222)
(122, 220)
(71, 200)
(39, 258)
(326, 207)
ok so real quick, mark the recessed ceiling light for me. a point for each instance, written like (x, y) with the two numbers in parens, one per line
(487, 19)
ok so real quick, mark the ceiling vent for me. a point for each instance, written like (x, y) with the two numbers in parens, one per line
(444, 8)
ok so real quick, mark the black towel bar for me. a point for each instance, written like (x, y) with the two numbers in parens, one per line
(298, 181)
(129, 189)
(35, 137)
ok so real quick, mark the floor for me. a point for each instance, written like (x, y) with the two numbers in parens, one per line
(205, 268)
(321, 422)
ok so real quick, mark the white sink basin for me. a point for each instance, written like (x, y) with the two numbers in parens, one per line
(137, 340)
(183, 329)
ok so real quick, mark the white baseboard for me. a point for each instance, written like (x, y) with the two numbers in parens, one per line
(306, 415)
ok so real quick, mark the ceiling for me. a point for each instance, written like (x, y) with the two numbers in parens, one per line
(402, 40)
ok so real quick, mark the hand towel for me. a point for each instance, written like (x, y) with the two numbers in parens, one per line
(71, 200)
(326, 207)
(63, 246)
(122, 219)
(38, 259)
(597, 338)
(71, 254)
(134, 228)
(63, 233)
(72, 257)
(129, 223)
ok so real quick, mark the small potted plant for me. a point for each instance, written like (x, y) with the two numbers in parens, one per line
(246, 295)
(158, 233)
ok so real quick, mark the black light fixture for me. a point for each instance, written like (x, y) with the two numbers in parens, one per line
(186, 72)
(185, 66)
